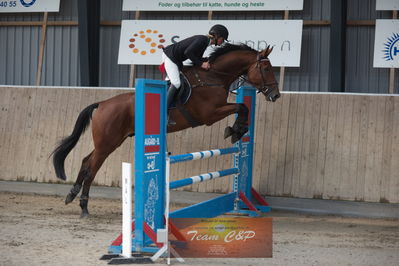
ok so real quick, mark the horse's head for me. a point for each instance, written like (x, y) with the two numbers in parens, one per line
(260, 74)
(231, 61)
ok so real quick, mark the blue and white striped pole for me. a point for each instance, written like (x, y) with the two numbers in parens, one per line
(202, 154)
(202, 178)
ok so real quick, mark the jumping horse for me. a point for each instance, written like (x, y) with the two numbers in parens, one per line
(113, 120)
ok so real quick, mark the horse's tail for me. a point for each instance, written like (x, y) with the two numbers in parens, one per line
(68, 143)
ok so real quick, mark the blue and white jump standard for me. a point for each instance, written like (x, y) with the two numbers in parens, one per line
(151, 188)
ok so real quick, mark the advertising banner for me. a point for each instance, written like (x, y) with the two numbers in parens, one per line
(224, 237)
(16, 6)
(203, 5)
(386, 45)
(387, 5)
(142, 41)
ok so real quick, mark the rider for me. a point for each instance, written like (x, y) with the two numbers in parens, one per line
(191, 48)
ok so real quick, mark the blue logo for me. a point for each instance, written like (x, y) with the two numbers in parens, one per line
(391, 47)
(27, 3)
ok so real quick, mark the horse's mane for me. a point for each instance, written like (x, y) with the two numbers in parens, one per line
(226, 48)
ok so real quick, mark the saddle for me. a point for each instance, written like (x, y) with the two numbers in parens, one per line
(182, 98)
(183, 94)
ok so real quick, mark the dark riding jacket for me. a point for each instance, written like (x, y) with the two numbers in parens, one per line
(191, 48)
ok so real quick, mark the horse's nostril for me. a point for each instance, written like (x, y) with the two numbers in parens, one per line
(275, 97)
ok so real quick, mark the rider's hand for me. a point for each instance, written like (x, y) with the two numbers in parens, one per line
(206, 65)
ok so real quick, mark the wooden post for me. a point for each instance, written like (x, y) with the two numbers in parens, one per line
(392, 81)
(41, 49)
(392, 70)
(282, 69)
(132, 75)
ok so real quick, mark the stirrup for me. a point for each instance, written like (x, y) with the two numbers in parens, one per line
(171, 122)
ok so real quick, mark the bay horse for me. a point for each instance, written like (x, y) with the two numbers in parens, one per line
(113, 120)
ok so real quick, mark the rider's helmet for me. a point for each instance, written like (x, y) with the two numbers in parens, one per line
(219, 30)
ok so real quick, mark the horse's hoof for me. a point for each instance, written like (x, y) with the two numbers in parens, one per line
(84, 215)
(70, 197)
(244, 131)
(241, 132)
(234, 138)
(228, 131)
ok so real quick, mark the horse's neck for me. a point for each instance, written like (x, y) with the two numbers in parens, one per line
(234, 64)
(224, 70)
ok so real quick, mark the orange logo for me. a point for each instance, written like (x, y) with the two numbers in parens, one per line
(148, 41)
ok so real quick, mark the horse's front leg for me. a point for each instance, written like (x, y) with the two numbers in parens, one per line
(240, 126)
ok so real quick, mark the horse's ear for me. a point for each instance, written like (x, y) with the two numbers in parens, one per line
(265, 53)
(270, 50)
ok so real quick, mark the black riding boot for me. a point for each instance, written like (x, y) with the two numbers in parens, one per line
(171, 95)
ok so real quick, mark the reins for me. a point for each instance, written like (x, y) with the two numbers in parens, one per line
(201, 83)
(265, 89)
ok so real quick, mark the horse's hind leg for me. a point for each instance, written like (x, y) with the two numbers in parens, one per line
(83, 173)
(88, 170)
(95, 162)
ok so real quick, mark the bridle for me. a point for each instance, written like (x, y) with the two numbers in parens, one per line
(266, 88)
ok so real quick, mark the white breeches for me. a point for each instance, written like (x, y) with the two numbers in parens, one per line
(172, 71)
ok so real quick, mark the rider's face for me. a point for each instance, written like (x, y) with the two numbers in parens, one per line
(219, 41)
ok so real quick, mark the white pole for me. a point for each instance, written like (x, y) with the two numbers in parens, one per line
(167, 201)
(126, 210)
